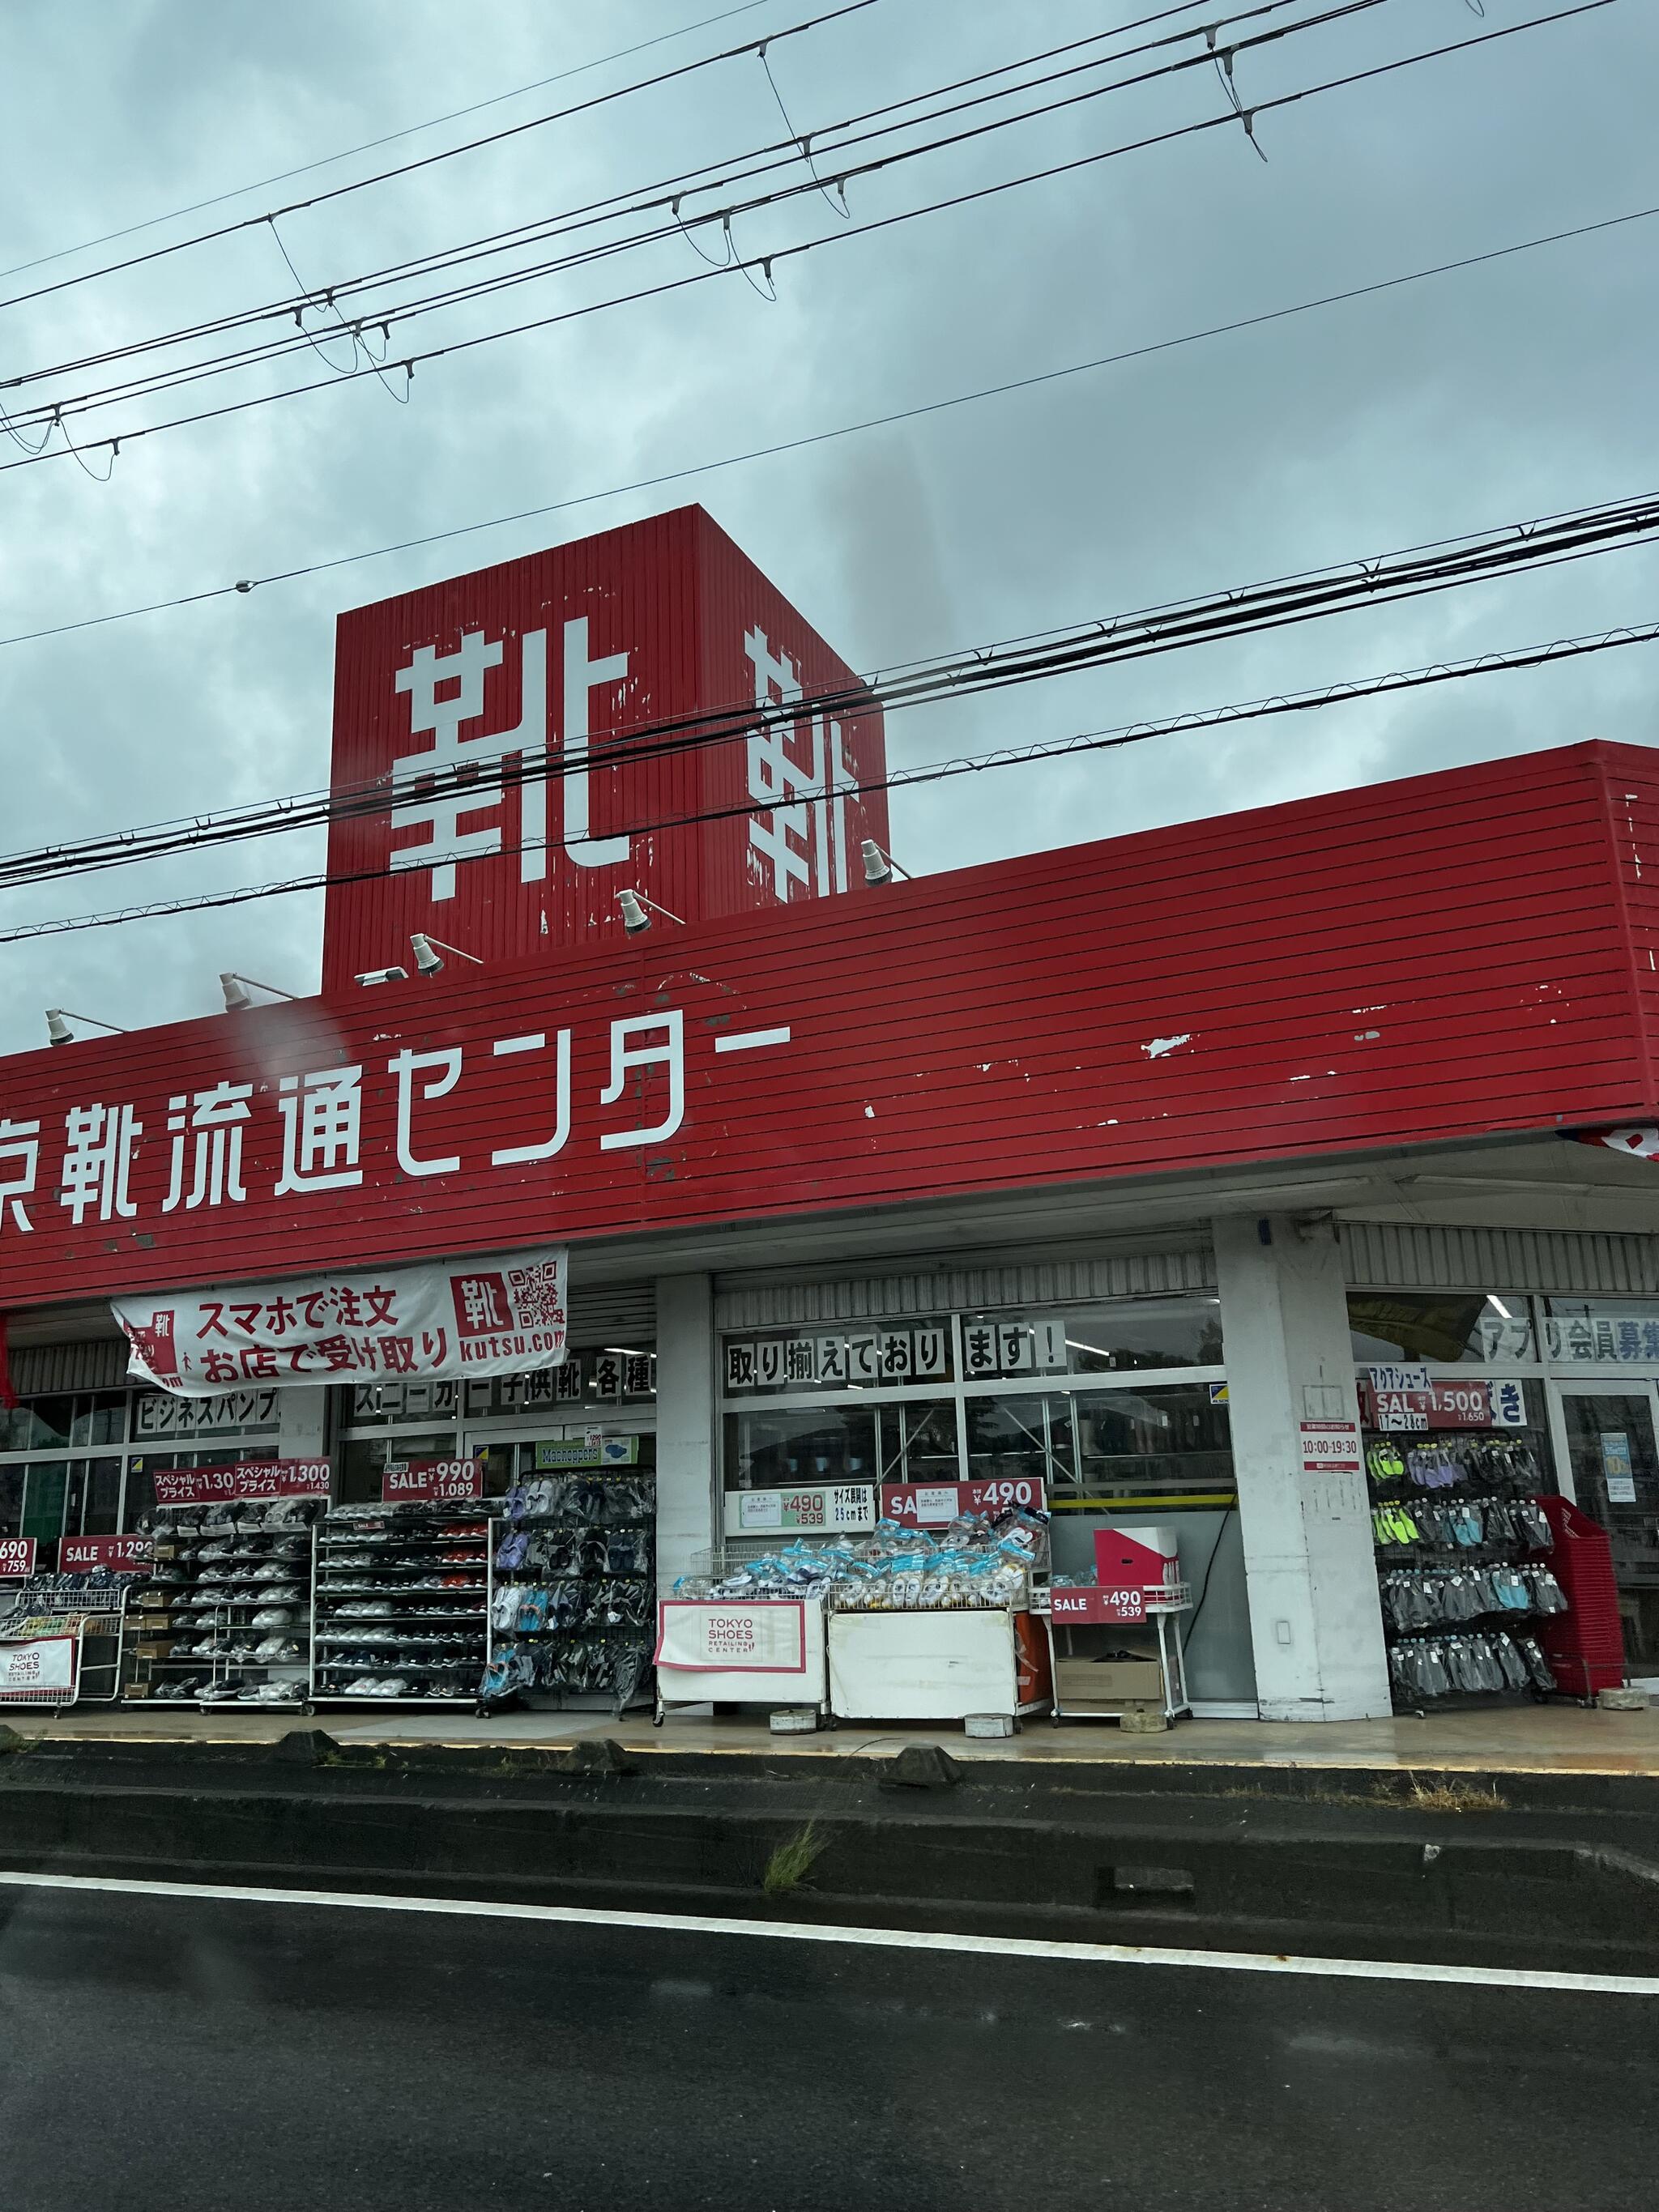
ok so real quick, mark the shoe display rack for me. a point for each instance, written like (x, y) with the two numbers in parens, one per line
(572, 1582)
(401, 1598)
(225, 1618)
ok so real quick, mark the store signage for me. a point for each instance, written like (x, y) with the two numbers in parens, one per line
(1097, 1604)
(932, 1504)
(590, 1450)
(1617, 1470)
(17, 1556)
(43, 1664)
(216, 1485)
(115, 1555)
(231, 1412)
(1330, 1448)
(430, 1480)
(487, 1316)
(858, 1359)
(1444, 1405)
(768, 1636)
(1398, 1378)
(824, 1505)
(1619, 1339)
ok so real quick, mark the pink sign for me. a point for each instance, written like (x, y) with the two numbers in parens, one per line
(1094, 1603)
(17, 1556)
(119, 1555)
(932, 1504)
(431, 1479)
(269, 1478)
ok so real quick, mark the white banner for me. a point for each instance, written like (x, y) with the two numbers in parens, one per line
(767, 1637)
(46, 1662)
(502, 1314)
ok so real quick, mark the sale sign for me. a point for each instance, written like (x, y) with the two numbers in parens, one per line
(41, 1663)
(249, 1479)
(17, 1556)
(931, 1506)
(431, 1481)
(115, 1555)
(1094, 1603)
(1443, 1404)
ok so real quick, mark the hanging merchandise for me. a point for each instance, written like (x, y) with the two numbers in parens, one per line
(571, 1577)
(226, 1615)
(401, 1593)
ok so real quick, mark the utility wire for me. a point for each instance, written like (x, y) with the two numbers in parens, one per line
(1384, 581)
(1086, 741)
(245, 585)
(765, 263)
(670, 194)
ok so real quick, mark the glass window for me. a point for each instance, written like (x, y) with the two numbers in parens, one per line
(94, 1499)
(1608, 1331)
(101, 1418)
(1134, 1444)
(11, 1501)
(917, 1441)
(364, 1459)
(1028, 1436)
(1128, 1335)
(1440, 1328)
(39, 1423)
(768, 1450)
(45, 1495)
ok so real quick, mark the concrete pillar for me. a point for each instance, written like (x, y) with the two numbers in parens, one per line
(687, 1458)
(302, 1413)
(1315, 1621)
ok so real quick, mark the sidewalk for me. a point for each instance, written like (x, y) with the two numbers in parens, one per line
(1522, 1739)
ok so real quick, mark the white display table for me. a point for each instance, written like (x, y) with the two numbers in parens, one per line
(934, 1666)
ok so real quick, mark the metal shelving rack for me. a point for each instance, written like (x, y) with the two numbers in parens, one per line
(530, 1578)
(433, 1639)
(167, 1612)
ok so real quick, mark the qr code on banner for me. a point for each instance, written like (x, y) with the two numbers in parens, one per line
(535, 1295)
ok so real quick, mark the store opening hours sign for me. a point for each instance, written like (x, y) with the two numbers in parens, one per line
(217, 1485)
(1330, 1448)
(931, 1506)
(433, 1481)
(114, 1555)
(768, 1637)
(17, 1556)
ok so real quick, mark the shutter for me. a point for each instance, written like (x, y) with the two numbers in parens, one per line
(1400, 1255)
(787, 1298)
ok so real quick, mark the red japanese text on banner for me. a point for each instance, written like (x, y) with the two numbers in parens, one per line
(501, 1314)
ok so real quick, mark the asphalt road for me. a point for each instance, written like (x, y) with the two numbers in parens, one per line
(199, 2055)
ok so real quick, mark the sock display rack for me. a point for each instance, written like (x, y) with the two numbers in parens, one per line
(226, 1615)
(401, 1597)
(572, 1583)
(1462, 1562)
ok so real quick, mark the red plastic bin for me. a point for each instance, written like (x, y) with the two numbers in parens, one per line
(1585, 1645)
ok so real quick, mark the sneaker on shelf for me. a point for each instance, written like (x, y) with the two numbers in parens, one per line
(364, 1687)
(272, 1616)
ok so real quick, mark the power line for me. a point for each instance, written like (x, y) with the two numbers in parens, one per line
(1090, 741)
(827, 143)
(925, 408)
(1384, 581)
(449, 154)
(766, 262)
(389, 138)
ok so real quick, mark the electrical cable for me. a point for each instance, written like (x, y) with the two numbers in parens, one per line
(669, 193)
(765, 262)
(1386, 580)
(1084, 742)
(247, 584)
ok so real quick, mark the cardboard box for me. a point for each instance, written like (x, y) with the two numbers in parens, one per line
(1149, 1555)
(1121, 1681)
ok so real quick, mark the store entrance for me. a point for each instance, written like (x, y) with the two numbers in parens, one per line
(1611, 1432)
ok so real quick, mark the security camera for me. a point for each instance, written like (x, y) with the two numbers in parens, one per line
(383, 975)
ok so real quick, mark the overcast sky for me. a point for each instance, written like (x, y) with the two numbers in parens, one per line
(1499, 393)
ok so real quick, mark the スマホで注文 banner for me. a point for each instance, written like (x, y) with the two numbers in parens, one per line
(496, 1315)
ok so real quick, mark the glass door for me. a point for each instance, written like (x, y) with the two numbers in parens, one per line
(1613, 1449)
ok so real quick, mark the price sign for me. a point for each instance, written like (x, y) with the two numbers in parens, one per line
(1096, 1603)
(118, 1555)
(826, 1506)
(431, 1480)
(1442, 1405)
(270, 1478)
(17, 1556)
(930, 1505)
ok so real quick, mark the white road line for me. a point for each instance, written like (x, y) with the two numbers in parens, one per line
(750, 1040)
(879, 1939)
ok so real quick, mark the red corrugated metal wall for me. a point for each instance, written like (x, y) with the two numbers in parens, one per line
(671, 597)
(1423, 960)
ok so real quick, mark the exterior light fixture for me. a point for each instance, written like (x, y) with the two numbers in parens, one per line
(59, 1032)
(235, 988)
(879, 867)
(429, 952)
(382, 975)
(633, 915)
